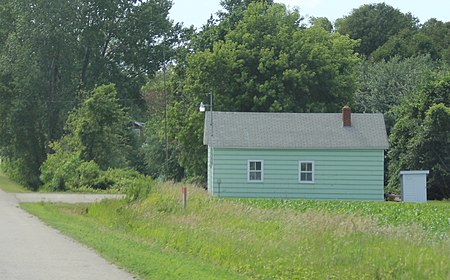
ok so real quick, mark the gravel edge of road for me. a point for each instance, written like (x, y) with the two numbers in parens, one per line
(64, 197)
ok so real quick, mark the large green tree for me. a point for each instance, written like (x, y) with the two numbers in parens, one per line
(100, 129)
(374, 24)
(266, 61)
(270, 62)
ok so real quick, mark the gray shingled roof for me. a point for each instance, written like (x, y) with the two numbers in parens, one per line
(294, 130)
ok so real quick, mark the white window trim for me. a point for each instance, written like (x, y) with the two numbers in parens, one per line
(300, 171)
(248, 171)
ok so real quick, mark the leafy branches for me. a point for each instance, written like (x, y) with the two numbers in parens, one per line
(420, 139)
(98, 136)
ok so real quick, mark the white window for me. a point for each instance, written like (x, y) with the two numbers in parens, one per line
(306, 171)
(255, 171)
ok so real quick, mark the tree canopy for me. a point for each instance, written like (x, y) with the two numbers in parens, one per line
(432, 38)
(374, 24)
(269, 62)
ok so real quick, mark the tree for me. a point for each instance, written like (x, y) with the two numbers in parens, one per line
(96, 151)
(430, 149)
(386, 84)
(157, 129)
(438, 34)
(271, 63)
(215, 29)
(100, 129)
(374, 24)
(31, 64)
(121, 40)
(396, 46)
(97, 137)
(420, 139)
(267, 61)
(432, 38)
(323, 22)
(154, 151)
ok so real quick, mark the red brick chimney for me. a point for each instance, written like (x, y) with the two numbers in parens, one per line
(346, 116)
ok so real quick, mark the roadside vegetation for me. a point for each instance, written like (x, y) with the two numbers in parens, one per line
(155, 238)
(9, 185)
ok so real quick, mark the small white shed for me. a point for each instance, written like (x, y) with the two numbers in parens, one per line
(413, 185)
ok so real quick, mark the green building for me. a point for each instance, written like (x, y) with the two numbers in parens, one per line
(296, 155)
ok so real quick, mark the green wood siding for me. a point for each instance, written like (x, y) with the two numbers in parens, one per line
(338, 174)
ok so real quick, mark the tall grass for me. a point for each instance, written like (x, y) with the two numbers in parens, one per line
(258, 243)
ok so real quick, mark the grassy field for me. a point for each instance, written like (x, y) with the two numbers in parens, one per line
(252, 239)
(10, 186)
(433, 217)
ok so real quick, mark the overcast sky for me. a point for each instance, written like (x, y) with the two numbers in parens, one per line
(197, 12)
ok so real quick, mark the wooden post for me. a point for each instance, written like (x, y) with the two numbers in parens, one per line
(184, 191)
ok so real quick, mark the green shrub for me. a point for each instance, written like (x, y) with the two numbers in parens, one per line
(65, 170)
(59, 171)
(135, 185)
(88, 176)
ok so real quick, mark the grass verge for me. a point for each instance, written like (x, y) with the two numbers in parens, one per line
(221, 239)
(141, 257)
(8, 185)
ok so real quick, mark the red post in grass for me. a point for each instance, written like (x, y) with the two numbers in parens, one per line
(184, 191)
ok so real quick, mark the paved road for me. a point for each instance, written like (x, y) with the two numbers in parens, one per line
(30, 250)
(64, 197)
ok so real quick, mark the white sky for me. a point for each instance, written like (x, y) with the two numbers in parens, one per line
(197, 12)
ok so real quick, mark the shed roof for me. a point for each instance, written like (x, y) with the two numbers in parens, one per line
(294, 131)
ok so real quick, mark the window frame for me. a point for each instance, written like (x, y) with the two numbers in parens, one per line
(300, 172)
(248, 171)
